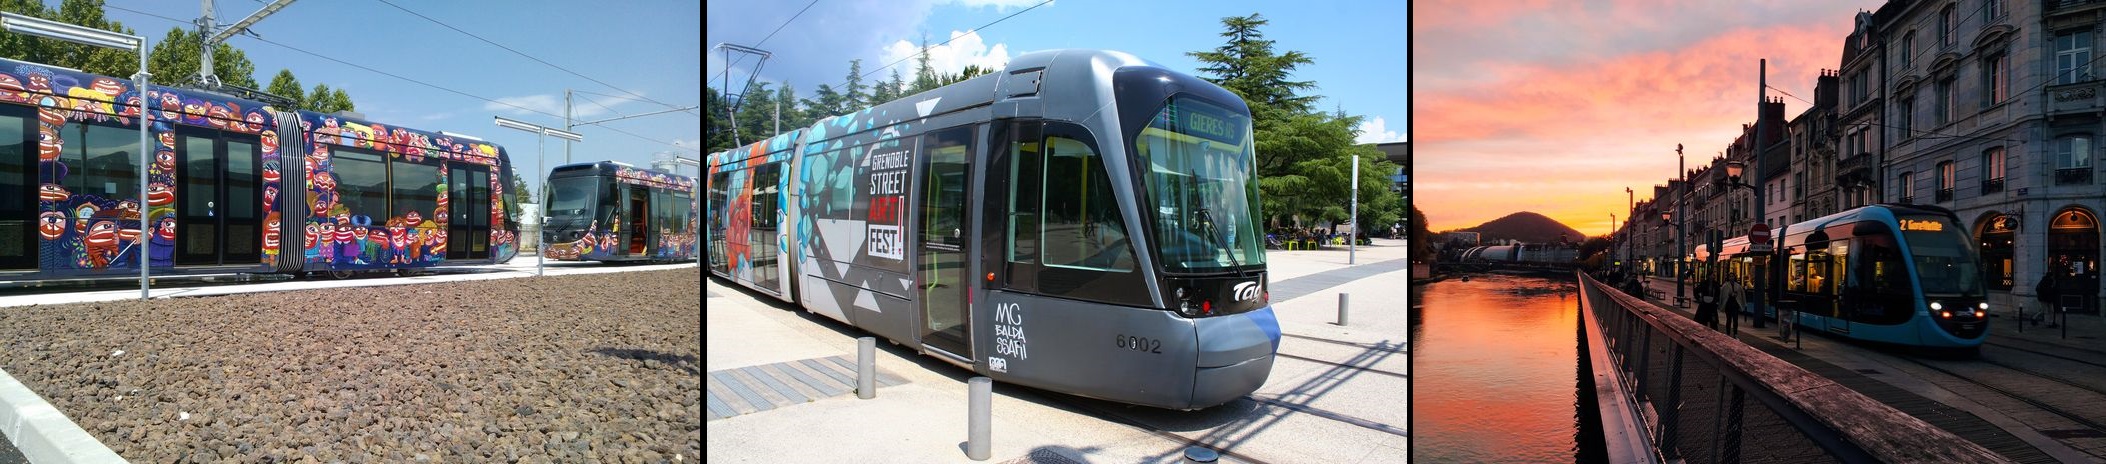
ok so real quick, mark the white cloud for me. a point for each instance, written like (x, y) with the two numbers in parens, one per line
(965, 48)
(1000, 5)
(1376, 130)
(582, 106)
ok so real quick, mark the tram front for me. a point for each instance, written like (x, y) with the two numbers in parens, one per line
(1191, 145)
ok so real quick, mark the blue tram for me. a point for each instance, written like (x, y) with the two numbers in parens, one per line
(235, 186)
(1081, 221)
(1891, 273)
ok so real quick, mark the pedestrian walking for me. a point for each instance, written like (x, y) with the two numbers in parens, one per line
(1733, 298)
(1707, 304)
(2046, 291)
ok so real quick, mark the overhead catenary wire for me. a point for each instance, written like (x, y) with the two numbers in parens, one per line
(786, 23)
(528, 56)
(426, 84)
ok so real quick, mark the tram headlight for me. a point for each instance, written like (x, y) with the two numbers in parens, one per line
(1984, 306)
(1937, 306)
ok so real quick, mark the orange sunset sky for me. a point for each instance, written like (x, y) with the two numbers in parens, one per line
(1556, 107)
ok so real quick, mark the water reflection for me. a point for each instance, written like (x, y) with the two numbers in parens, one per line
(1493, 370)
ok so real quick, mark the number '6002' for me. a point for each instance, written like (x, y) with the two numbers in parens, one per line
(1141, 344)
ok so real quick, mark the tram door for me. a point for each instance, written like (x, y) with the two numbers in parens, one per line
(217, 211)
(946, 164)
(468, 194)
(19, 219)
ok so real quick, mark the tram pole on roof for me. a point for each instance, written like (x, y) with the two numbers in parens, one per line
(733, 108)
(20, 24)
(210, 34)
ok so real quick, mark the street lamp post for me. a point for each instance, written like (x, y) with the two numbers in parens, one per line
(1681, 209)
(541, 163)
(20, 24)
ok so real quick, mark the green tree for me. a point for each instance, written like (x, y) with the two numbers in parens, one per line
(757, 113)
(1248, 66)
(925, 77)
(899, 87)
(792, 117)
(285, 85)
(853, 90)
(342, 100)
(970, 71)
(176, 58)
(1303, 156)
(1421, 239)
(826, 104)
(98, 60)
(882, 91)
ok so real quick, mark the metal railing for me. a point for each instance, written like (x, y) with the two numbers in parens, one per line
(1700, 396)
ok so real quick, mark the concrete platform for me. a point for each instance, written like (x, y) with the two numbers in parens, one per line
(1337, 394)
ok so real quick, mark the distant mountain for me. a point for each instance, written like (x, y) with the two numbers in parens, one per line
(1526, 227)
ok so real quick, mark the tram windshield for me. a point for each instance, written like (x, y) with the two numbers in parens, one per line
(1203, 185)
(1945, 263)
(570, 197)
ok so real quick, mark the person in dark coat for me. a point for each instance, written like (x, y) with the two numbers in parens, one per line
(2046, 291)
(1707, 303)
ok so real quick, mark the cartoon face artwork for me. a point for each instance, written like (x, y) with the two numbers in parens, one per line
(51, 225)
(313, 230)
(101, 243)
(270, 231)
(412, 219)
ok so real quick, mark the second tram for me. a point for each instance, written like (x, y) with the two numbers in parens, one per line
(1899, 274)
(1082, 221)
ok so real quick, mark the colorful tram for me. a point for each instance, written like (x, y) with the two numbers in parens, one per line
(235, 186)
(1890, 273)
(610, 211)
(1082, 221)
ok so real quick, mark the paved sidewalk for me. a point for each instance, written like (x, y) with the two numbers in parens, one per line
(1336, 394)
(2084, 332)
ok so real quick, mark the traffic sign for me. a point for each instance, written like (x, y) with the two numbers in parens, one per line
(1759, 234)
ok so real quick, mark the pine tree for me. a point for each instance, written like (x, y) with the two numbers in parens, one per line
(856, 98)
(829, 103)
(177, 57)
(925, 77)
(792, 118)
(1248, 66)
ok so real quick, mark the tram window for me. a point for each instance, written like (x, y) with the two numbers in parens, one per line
(1026, 168)
(15, 181)
(109, 160)
(766, 203)
(1082, 226)
(479, 200)
(361, 182)
(1796, 267)
(416, 188)
(1817, 273)
(570, 196)
(241, 179)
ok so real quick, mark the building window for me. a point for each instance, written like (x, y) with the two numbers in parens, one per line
(1945, 181)
(2073, 56)
(1908, 48)
(2073, 159)
(1908, 187)
(1995, 79)
(1947, 19)
(1992, 9)
(1995, 237)
(1907, 115)
(1993, 170)
(1946, 102)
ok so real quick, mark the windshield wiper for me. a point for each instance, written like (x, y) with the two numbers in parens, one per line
(1207, 220)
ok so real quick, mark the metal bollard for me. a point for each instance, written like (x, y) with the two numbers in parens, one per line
(1342, 309)
(866, 367)
(1201, 455)
(979, 420)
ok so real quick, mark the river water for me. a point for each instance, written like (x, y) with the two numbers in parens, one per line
(1495, 372)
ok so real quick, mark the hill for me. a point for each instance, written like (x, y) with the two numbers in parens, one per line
(1527, 227)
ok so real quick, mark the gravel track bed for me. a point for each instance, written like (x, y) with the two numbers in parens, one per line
(603, 368)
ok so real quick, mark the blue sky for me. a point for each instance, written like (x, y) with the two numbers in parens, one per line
(1359, 47)
(651, 48)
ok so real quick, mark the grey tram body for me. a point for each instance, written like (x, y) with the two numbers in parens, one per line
(822, 257)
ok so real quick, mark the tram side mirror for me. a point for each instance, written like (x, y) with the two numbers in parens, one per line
(1817, 240)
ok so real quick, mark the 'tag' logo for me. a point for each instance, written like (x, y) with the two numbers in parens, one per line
(1247, 291)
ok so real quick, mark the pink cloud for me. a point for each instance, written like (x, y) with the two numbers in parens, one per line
(1563, 139)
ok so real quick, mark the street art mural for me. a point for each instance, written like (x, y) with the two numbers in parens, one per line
(344, 238)
(87, 131)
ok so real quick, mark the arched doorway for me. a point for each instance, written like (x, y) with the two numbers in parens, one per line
(2073, 255)
(1996, 234)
